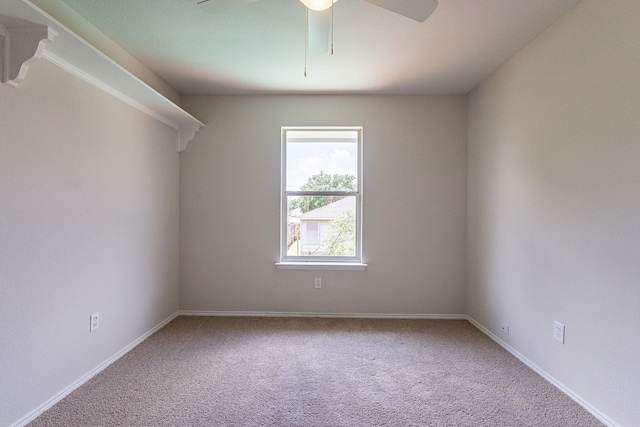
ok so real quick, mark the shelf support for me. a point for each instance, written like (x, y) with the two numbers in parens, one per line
(21, 47)
(187, 133)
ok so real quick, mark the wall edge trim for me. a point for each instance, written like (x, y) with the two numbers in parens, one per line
(549, 378)
(80, 381)
(92, 373)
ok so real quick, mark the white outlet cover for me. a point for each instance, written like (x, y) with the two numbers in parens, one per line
(94, 322)
(558, 331)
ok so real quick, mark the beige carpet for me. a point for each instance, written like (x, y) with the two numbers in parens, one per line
(208, 371)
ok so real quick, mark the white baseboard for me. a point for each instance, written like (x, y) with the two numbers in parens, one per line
(319, 314)
(65, 392)
(586, 405)
(62, 394)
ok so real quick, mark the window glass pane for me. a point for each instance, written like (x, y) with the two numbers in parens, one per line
(321, 166)
(321, 226)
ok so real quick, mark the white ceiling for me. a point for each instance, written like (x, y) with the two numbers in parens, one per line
(259, 48)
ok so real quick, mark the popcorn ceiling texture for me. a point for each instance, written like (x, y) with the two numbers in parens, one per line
(237, 371)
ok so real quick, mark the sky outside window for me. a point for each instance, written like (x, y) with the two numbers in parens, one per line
(305, 159)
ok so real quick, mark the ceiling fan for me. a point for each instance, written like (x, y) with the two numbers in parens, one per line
(320, 20)
(418, 10)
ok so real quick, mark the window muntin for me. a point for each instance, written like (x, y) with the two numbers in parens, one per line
(321, 194)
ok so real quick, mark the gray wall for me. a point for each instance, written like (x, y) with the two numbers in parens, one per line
(554, 204)
(89, 213)
(414, 206)
(88, 223)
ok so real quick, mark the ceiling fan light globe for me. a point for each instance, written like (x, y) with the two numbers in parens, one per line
(318, 4)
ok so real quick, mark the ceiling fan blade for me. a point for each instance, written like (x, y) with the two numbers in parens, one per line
(319, 37)
(218, 6)
(418, 10)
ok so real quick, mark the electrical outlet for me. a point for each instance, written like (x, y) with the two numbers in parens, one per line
(95, 322)
(504, 329)
(318, 283)
(558, 331)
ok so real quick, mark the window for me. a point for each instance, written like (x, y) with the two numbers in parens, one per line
(310, 234)
(321, 206)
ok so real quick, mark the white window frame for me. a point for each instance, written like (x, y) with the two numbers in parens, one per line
(321, 262)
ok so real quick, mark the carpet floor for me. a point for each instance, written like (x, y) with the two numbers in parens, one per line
(245, 371)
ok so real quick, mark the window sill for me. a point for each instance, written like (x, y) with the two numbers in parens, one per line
(320, 266)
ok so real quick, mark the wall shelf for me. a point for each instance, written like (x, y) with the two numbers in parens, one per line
(29, 34)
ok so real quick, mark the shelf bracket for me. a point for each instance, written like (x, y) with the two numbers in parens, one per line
(22, 45)
(187, 133)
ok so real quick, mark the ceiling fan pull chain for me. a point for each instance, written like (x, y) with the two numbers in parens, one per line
(333, 2)
(306, 40)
